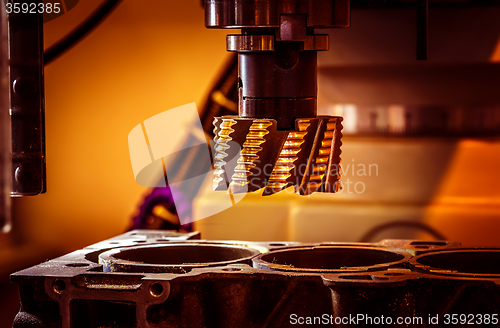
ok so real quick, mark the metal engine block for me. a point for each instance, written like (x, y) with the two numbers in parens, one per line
(156, 279)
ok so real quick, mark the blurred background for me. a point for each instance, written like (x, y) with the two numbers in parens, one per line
(429, 129)
(143, 59)
(420, 148)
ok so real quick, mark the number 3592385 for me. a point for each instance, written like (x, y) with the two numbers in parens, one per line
(33, 8)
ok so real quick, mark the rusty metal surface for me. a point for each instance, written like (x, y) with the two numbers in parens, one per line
(248, 284)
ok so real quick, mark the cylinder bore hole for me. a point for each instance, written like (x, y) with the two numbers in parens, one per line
(59, 286)
(327, 258)
(156, 289)
(184, 254)
(464, 261)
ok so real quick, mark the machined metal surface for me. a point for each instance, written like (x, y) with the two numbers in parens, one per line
(266, 13)
(173, 258)
(241, 43)
(201, 283)
(330, 258)
(306, 158)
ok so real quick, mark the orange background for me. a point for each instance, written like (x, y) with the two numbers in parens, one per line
(145, 58)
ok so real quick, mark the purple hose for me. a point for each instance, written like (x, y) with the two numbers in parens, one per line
(164, 196)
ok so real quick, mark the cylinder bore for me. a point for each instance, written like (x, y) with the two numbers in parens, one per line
(176, 258)
(329, 259)
(468, 262)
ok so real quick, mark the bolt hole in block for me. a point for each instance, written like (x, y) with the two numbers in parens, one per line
(156, 289)
(59, 286)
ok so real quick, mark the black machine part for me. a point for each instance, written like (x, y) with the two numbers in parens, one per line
(27, 103)
(5, 159)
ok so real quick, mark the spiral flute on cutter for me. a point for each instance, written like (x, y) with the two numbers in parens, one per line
(277, 140)
(307, 158)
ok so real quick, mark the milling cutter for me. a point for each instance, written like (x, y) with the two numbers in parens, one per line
(277, 140)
